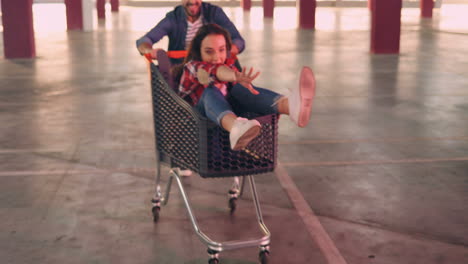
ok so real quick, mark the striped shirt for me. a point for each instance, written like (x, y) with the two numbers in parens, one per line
(192, 29)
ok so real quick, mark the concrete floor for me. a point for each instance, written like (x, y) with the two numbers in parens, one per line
(383, 165)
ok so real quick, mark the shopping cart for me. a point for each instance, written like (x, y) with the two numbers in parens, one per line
(187, 140)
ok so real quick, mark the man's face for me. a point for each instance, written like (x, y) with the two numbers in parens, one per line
(192, 7)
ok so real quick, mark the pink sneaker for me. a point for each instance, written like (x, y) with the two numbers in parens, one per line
(242, 132)
(301, 97)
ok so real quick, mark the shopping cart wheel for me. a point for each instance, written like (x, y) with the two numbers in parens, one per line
(213, 261)
(232, 204)
(213, 256)
(155, 210)
(263, 256)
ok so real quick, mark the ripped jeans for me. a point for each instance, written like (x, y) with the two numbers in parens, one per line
(215, 106)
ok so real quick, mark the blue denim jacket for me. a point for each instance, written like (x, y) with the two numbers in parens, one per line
(174, 25)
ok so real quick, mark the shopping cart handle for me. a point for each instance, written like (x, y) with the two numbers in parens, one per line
(173, 54)
(180, 54)
(149, 57)
(177, 54)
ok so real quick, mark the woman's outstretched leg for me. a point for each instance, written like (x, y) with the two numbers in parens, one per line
(214, 105)
(298, 105)
(241, 130)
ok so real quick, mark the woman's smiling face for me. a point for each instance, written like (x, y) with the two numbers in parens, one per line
(213, 49)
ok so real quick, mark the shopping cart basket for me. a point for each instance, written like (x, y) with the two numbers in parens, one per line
(187, 140)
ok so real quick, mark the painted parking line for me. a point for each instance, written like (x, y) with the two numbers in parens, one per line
(373, 140)
(50, 172)
(29, 151)
(283, 164)
(311, 221)
(75, 172)
(42, 150)
(370, 162)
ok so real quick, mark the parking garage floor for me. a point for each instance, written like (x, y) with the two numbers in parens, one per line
(379, 176)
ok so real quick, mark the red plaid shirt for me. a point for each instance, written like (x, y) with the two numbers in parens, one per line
(191, 89)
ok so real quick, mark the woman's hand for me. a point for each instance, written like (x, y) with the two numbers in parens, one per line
(245, 79)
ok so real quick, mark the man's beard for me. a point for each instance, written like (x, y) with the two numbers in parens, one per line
(188, 13)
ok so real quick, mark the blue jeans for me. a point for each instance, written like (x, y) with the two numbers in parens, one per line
(215, 106)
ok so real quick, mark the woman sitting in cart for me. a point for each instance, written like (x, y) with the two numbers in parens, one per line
(211, 83)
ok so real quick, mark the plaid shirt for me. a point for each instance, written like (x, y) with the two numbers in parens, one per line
(191, 89)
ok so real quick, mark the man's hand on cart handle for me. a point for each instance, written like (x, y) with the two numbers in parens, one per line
(145, 48)
(153, 55)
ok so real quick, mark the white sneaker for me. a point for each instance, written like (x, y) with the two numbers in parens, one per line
(242, 132)
(300, 99)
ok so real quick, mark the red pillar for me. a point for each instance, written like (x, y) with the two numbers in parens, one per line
(268, 6)
(386, 22)
(307, 13)
(101, 8)
(246, 4)
(426, 8)
(114, 5)
(74, 10)
(18, 29)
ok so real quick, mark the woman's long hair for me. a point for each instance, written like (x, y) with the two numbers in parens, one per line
(194, 51)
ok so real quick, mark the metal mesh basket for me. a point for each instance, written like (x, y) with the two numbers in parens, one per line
(188, 140)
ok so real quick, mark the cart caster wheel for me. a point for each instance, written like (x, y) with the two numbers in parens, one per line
(264, 256)
(232, 204)
(155, 210)
(213, 261)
